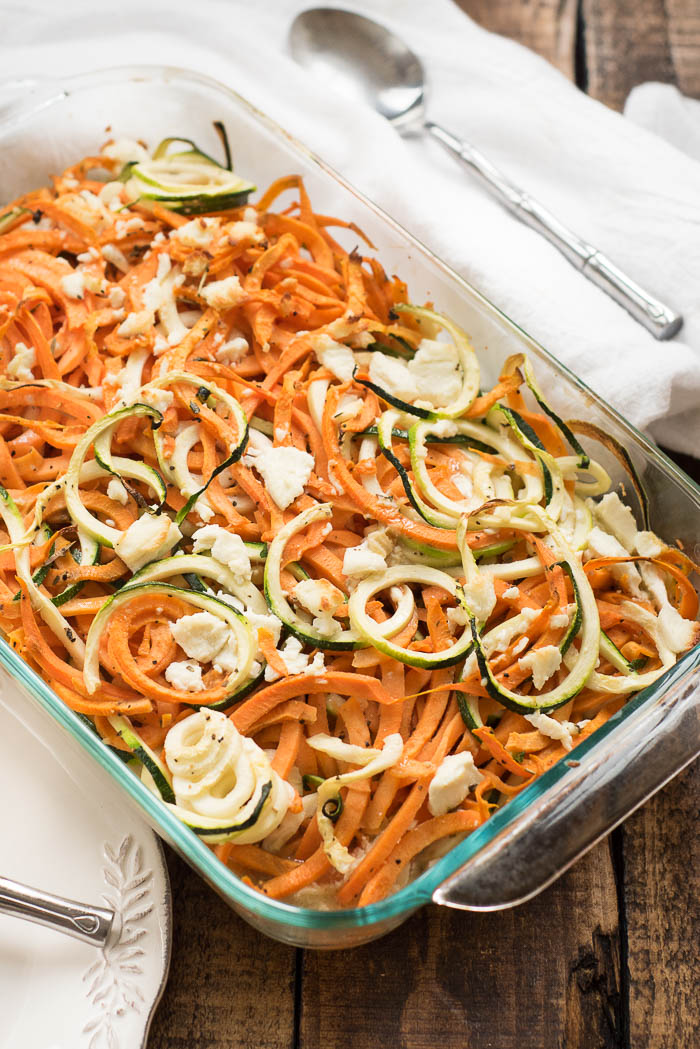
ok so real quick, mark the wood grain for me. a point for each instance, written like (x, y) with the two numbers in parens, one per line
(229, 986)
(660, 867)
(544, 975)
(546, 26)
(627, 42)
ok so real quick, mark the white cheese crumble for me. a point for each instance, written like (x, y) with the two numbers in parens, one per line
(149, 538)
(455, 777)
(296, 661)
(231, 351)
(135, 323)
(111, 253)
(542, 662)
(23, 360)
(360, 560)
(161, 400)
(436, 372)
(511, 594)
(285, 471)
(116, 297)
(226, 547)
(333, 355)
(223, 294)
(199, 233)
(117, 491)
(245, 230)
(200, 636)
(73, 284)
(561, 730)
(392, 376)
(185, 676)
(321, 599)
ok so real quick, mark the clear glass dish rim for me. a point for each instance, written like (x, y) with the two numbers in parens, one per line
(419, 891)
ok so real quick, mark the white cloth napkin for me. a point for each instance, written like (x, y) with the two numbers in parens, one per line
(627, 191)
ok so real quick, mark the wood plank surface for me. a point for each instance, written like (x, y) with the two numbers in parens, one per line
(546, 26)
(661, 860)
(229, 987)
(540, 976)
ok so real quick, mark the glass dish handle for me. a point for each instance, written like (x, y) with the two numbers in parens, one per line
(594, 795)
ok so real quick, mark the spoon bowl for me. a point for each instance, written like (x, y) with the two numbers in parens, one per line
(369, 64)
(364, 61)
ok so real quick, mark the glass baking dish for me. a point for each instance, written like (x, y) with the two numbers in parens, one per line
(45, 125)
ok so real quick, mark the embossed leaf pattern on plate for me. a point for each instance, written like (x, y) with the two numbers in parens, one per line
(113, 979)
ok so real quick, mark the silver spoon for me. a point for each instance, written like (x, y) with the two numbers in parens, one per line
(366, 61)
(96, 925)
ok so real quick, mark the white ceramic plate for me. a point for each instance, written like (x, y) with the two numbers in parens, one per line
(64, 828)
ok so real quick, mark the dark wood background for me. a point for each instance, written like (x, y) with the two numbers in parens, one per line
(607, 958)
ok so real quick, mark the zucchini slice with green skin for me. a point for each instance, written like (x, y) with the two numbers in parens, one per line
(128, 469)
(88, 554)
(9, 218)
(150, 761)
(43, 604)
(205, 391)
(200, 565)
(522, 363)
(467, 361)
(554, 490)
(206, 602)
(276, 599)
(428, 513)
(188, 181)
(368, 630)
(582, 662)
(216, 831)
(103, 533)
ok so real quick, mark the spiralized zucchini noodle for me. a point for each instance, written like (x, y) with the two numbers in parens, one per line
(265, 530)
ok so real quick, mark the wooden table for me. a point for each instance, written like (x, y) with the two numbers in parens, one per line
(604, 959)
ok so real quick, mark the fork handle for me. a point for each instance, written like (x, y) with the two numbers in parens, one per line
(95, 925)
(662, 321)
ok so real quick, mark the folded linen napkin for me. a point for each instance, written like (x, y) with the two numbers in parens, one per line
(627, 191)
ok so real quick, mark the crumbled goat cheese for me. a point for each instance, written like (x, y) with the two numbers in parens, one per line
(149, 538)
(333, 355)
(561, 730)
(360, 560)
(392, 376)
(185, 676)
(436, 371)
(456, 618)
(111, 253)
(199, 233)
(542, 662)
(239, 231)
(348, 408)
(231, 351)
(117, 491)
(455, 776)
(201, 636)
(296, 661)
(135, 323)
(161, 400)
(226, 547)
(117, 297)
(511, 594)
(223, 294)
(321, 599)
(73, 284)
(23, 360)
(558, 621)
(285, 471)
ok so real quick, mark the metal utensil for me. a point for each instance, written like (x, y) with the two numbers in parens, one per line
(96, 925)
(368, 62)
